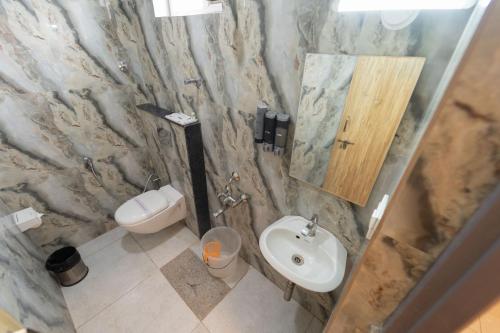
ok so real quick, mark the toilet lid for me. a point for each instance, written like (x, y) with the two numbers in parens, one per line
(141, 207)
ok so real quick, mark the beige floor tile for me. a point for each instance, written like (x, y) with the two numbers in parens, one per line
(113, 271)
(190, 278)
(241, 269)
(153, 306)
(101, 242)
(257, 305)
(166, 244)
(200, 329)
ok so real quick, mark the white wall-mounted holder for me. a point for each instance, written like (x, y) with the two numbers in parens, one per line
(27, 219)
(377, 216)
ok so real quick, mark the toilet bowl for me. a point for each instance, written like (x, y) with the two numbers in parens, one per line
(152, 211)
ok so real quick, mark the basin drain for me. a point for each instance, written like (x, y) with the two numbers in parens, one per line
(298, 260)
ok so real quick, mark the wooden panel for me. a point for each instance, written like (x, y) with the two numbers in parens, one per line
(380, 91)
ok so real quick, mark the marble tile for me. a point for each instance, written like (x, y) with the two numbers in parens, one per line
(113, 271)
(99, 243)
(325, 85)
(200, 329)
(152, 306)
(166, 244)
(257, 305)
(28, 292)
(77, 206)
(271, 196)
(241, 269)
(190, 278)
(243, 55)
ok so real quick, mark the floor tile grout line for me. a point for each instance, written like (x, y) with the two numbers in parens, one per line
(227, 284)
(115, 301)
(182, 299)
(150, 258)
(201, 323)
(126, 292)
(144, 250)
(105, 247)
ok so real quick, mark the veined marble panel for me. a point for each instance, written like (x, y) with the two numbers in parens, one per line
(269, 199)
(325, 85)
(63, 96)
(253, 51)
(28, 292)
(43, 142)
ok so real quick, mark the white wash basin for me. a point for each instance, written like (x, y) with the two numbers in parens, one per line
(324, 258)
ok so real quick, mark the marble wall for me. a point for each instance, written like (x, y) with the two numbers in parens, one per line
(26, 287)
(63, 97)
(43, 144)
(61, 83)
(325, 86)
(456, 168)
(255, 51)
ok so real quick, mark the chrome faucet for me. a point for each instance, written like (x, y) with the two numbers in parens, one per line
(226, 197)
(230, 202)
(310, 229)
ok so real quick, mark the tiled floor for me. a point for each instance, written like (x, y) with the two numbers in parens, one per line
(126, 291)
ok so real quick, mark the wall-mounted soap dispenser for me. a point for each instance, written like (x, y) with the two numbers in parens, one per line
(269, 131)
(282, 123)
(262, 109)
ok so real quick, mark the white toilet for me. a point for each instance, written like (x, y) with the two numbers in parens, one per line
(152, 211)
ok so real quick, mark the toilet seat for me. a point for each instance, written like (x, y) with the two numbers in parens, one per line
(141, 207)
(152, 211)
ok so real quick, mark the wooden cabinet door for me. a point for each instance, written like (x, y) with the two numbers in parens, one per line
(378, 97)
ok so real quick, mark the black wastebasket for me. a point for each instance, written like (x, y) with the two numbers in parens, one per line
(67, 265)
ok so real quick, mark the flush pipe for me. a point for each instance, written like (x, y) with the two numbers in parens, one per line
(290, 287)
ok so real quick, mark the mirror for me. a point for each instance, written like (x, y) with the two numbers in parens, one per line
(167, 8)
(350, 108)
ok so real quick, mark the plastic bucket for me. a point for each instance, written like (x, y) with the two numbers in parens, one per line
(226, 264)
(67, 265)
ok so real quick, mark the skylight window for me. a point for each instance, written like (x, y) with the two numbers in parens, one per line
(381, 5)
(186, 7)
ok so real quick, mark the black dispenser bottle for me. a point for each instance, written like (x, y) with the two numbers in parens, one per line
(269, 131)
(282, 123)
(262, 109)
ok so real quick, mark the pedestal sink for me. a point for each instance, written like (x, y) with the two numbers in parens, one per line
(314, 263)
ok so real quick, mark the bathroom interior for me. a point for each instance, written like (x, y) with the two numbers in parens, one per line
(224, 166)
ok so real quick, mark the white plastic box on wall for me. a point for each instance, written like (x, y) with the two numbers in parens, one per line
(27, 219)
(165, 8)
